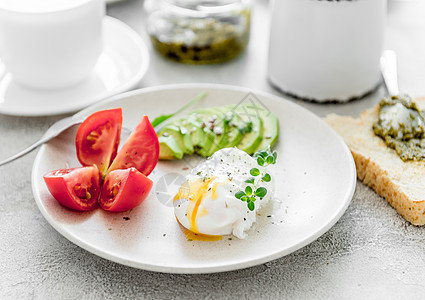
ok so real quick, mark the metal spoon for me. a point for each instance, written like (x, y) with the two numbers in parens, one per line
(52, 132)
(389, 71)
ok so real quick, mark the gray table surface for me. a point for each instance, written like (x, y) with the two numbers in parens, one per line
(371, 252)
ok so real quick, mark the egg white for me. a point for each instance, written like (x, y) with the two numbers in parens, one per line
(213, 185)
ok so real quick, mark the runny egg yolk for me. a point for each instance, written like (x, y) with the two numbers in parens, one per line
(195, 191)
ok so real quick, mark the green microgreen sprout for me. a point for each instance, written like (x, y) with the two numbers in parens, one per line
(253, 190)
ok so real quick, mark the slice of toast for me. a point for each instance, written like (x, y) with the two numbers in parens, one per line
(401, 183)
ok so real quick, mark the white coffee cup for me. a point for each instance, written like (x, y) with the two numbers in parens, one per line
(49, 44)
(326, 50)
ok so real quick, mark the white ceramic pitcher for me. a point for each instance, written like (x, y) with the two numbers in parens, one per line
(324, 50)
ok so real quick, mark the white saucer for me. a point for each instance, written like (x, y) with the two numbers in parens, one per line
(123, 63)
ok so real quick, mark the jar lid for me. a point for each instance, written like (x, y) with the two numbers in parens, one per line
(202, 8)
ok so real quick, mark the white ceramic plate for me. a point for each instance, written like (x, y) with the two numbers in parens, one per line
(122, 64)
(315, 178)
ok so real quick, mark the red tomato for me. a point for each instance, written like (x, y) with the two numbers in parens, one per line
(98, 138)
(141, 149)
(124, 189)
(77, 188)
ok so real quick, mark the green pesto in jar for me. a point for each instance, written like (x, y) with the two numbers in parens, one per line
(401, 125)
(203, 41)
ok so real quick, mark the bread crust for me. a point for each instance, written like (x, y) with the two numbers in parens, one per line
(401, 183)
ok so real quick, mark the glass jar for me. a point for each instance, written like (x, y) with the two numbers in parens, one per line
(199, 31)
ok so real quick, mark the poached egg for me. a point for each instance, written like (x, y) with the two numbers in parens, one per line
(206, 202)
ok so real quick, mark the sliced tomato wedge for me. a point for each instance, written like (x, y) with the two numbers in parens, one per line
(140, 150)
(124, 189)
(98, 138)
(76, 188)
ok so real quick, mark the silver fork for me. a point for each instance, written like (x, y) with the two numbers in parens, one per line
(50, 133)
